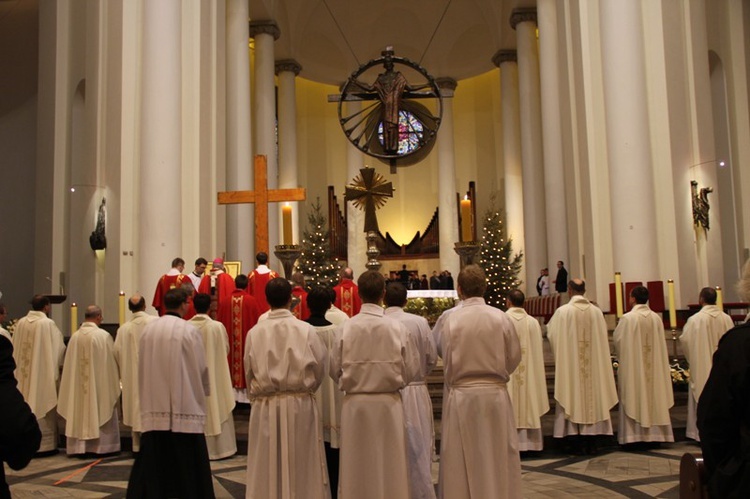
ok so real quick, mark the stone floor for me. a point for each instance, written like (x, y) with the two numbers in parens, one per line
(613, 472)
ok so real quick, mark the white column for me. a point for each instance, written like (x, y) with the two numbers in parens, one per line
(356, 244)
(448, 223)
(628, 144)
(507, 62)
(239, 168)
(265, 33)
(287, 71)
(554, 175)
(535, 231)
(159, 228)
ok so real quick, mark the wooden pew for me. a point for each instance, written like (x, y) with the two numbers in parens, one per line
(692, 477)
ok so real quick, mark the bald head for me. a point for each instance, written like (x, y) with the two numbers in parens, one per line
(93, 314)
(136, 303)
(577, 287)
(347, 273)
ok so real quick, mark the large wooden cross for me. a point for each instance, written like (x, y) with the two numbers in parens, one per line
(261, 196)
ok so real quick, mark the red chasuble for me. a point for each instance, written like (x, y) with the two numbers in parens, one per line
(224, 285)
(301, 311)
(238, 314)
(257, 287)
(347, 297)
(166, 283)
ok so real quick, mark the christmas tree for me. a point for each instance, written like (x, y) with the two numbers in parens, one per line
(497, 259)
(315, 262)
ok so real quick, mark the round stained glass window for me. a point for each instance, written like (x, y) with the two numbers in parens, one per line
(410, 133)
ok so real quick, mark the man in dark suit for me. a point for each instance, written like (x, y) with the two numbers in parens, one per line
(19, 431)
(561, 281)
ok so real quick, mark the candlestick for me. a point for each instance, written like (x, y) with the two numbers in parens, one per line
(618, 294)
(286, 215)
(672, 310)
(719, 298)
(122, 307)
(73, 318)
(466, 222)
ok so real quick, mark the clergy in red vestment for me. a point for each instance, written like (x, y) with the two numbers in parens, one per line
(218, 285)
(190, 291)
(172, 279)
(347, 294)
(258, 280)
(238, 314)
(299, 295)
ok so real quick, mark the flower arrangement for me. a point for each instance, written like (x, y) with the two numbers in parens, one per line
(680, 374)
(615, 364)
(429, 308)
(10, 326)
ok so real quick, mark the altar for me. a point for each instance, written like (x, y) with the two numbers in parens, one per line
(432, 293)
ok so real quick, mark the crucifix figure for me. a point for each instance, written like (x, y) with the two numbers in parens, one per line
(261, 196)
(369, 191)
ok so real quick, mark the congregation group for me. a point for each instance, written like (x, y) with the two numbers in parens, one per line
(336, 382)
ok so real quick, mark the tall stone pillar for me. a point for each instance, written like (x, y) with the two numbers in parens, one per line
(628, 144)
(160, 206)
(266, 32)
(506, 60)
(448, 224)
(535, 226)
(287, 71)
(356, 244)
(239, 168)
(554, 173)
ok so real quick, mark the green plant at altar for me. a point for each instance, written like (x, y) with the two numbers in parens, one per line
(315, 261)
(497, 259)
(429, 308)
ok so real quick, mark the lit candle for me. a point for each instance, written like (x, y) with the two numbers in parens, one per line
(73, 318)
(466, 233)
(672, 309)
(719, 298)
(286, 216)
(122, 307)
(618, 294)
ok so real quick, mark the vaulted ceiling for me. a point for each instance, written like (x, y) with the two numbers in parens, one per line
(331, 38)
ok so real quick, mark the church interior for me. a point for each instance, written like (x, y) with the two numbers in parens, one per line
(611, 135)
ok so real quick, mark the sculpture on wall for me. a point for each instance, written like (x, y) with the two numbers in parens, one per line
(700, 204)
(98, 238)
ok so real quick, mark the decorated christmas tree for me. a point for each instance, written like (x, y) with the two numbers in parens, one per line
(499, 262)
(316, 262)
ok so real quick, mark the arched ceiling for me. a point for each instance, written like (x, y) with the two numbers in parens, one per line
(331, 38)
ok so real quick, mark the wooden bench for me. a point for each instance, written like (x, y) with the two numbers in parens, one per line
(692, 477)
(542, 306)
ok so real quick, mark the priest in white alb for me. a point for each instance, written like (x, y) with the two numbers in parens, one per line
(90, 389)
(372, 360)
(329, 397)
(420, 429)
(699, 340)
(126, 355)
(528, 383)
(584, 380)
(285, 362)
(39, 351)
(644, 375)
(480, 349)
(220, 434)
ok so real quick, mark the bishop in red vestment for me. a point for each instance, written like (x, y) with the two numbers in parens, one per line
(258, 280)
(347, 294)
(172, 279)
(218, 285)
(239, 313)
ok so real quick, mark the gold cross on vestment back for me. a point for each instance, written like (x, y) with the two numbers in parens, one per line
(369, 190)
(261, 196)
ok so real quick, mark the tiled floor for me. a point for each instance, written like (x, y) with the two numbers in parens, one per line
(613, 472)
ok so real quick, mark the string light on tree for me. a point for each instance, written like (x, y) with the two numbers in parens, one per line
(315, 262)
(497, 259)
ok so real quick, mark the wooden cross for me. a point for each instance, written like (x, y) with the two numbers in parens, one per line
(261, 196)
(369, 190)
